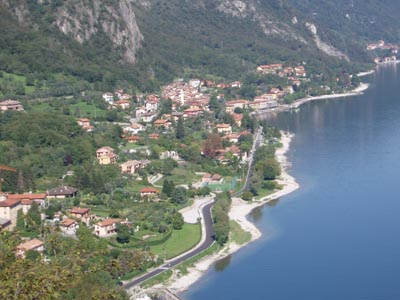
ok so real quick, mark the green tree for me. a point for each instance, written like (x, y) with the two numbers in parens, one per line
(20, 220)
(168, 187)
(180, 129)
(178, 196)
(177, 221)
(123, 233)
(33, 218)
(247, 196)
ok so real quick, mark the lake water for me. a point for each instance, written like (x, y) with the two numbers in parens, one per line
(337, 237)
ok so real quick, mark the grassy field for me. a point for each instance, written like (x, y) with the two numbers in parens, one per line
(180, 241)
(12, 79)
(83, 109)
(181, 176)
(238, 235)
(263, 193)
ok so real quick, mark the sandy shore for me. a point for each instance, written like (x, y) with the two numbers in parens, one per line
(239, 211)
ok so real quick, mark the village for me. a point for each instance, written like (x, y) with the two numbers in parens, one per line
(192, 140)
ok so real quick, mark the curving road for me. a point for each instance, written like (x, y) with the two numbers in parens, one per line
(207, 242)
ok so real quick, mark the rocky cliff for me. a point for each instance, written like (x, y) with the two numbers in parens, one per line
(83, 19)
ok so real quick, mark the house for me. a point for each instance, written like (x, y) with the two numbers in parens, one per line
(236, 84)
(148, 117)
(130, 167)
(231, 105)
(85, 124)
(132, 138)
(134, 128)
(27, 200)
(216, 178)
(148, 192)
(208, 178)
(109, 98)
(62, 192)
(154, 136)
(11, 105)
(162, 123)
(300, 71)
(224, 128)
(269, 69)
(107, 227)
(123, 104)
(195, 83)
(81, 213)
(119, 93)
(106, 156)
(192, 112)
(69, 226)
(32, 245)
(8, 211)
(169, 154)
(233, 137)
(152, 104)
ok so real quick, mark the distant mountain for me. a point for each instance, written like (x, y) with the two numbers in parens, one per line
(149, 42)
(360, 19)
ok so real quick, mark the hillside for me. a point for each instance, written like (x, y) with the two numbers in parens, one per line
(145, 43)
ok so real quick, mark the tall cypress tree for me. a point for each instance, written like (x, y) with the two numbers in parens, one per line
(180, 130)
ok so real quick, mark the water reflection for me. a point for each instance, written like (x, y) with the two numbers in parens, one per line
(222, 264)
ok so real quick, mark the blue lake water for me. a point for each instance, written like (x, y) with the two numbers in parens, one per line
(337, 237)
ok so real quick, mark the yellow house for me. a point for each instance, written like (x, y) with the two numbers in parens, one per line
(106, 156)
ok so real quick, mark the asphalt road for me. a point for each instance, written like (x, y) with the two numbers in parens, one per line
(210, 238)
(256, 145)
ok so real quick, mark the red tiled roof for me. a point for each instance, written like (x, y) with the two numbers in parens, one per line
(10, 203)
(149, 190)
(79, 210)
(67, 222)
(108, 222)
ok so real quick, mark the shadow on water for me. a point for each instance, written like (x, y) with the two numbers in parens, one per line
(222, 264)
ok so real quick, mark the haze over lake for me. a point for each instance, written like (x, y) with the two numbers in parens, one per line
(337, 237)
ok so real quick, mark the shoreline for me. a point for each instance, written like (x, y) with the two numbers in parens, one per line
(297, 103)
(239, 211)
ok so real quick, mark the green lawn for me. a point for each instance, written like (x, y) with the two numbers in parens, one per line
(180, 241)
(82, 109)
(263, 193)
(14, 79)
(181, 176)
(136, 186)
(238, 235)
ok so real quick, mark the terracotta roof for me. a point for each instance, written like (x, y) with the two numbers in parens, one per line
(216, 177)
(67, 222)
(83, 120)
(79, 210)
(223, 125)
(108, 222)
(10, 203)
(30, 245)
(149, 190)
(105, 148)
(29, 196)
